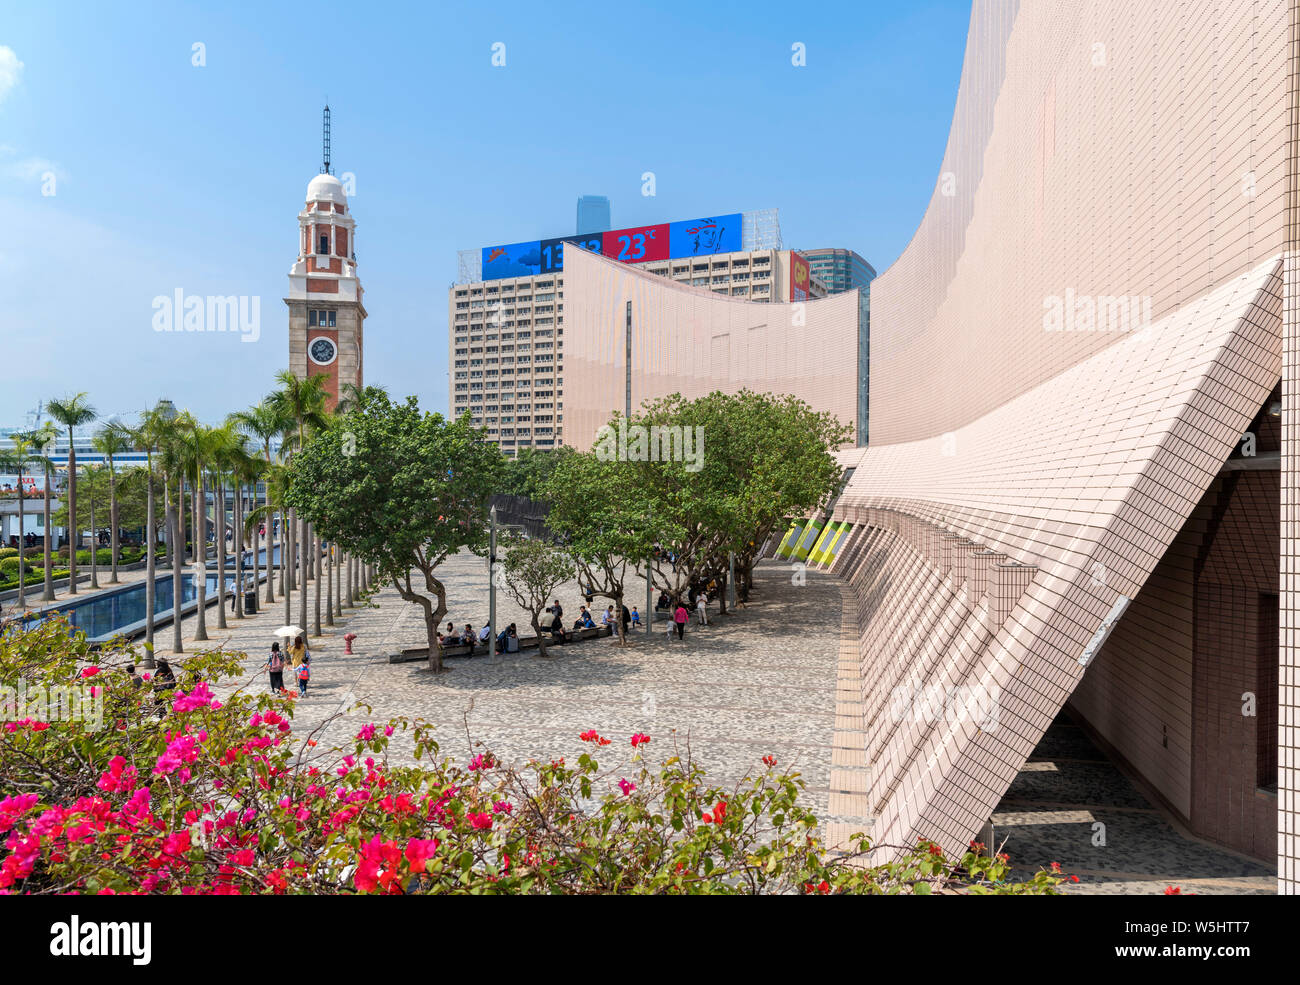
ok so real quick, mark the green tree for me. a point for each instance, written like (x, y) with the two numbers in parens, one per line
(601, 512)
(527, 473)
(532, 570)
(72, 412)
(399, 489)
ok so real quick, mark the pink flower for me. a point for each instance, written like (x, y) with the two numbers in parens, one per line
(90, 672)
(200, 697)
(627, 786)
(640, 739)
(483, 761)
(367, 732)
(502, 807)
(480, 822)
(418, 851)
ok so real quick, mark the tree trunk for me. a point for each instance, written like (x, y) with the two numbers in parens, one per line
(291, 532)
(219, 520)
(150, 570)
(303, 542)
(22, 547)
(336, 566)
(177, 514)
(201, 556)
(49, 553)
(239, 551)
(328, 566)
(348, 579)
(94, 542)
(112, 518)
(72, 515)
(537, 632)
(313, 538)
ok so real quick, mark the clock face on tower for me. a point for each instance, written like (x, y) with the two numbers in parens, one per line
(322, 351)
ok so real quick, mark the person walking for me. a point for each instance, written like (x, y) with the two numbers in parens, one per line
(275, 668)
(681, 617)
(702, 608)
(303, 673)
(297, 652)
(636, 618)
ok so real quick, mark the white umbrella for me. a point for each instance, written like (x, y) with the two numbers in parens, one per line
(288, 631)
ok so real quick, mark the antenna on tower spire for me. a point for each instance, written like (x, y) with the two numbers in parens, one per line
(325, 168)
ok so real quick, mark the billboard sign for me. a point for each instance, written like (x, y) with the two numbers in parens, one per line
(640, 244)
(800, 277)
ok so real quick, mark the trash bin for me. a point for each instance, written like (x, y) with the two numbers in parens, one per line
(250, 601)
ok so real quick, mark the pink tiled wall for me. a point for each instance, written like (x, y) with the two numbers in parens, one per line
(691, 341)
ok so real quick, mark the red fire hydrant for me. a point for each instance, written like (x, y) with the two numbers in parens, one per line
(347, 641)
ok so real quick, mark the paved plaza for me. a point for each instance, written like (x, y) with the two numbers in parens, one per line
(775, 678)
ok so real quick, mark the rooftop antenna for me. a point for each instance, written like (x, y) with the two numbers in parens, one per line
(325, 168)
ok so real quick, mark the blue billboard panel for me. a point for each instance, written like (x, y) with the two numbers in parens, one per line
(553, 250)
(692, 238)
(514, 260)
(701, 237)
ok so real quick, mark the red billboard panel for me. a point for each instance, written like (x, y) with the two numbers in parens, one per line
(640, 245)
(800, 277)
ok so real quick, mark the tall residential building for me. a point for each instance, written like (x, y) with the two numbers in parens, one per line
(593, 214)
(506, 337)
(845, 270)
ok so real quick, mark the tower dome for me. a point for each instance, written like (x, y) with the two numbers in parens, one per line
(326, 188)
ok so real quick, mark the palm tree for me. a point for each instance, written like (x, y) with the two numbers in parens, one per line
(301, 401)
(245, 468)
(72, 412)
(275, 476)
(18, 459)
(43, 439)
(112, 439)
(149, 435)
(264, 422)
(220, 445)
(92, 480)
(173, 461)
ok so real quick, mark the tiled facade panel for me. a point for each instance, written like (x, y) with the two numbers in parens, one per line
(1109, 150)
(1088, 477)
(691, 341)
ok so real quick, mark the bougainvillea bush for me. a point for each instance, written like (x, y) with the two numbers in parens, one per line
(181, 791)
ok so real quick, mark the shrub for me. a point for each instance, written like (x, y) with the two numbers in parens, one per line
(6, 552)
(9, 568)
(225, 798)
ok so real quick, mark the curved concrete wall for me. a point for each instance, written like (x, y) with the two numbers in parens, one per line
(1106, 149)
(691, 341)
(1033, 456)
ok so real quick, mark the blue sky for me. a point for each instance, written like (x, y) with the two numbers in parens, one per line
(170, 176)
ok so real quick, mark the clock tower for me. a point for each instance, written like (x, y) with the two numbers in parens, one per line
(326, 311)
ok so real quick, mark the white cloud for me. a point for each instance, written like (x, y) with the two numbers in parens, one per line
(11, 70)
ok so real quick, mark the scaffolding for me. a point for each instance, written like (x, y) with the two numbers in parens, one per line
(470, 264)
(761, 230)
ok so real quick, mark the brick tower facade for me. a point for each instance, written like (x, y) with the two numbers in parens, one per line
(326, 310)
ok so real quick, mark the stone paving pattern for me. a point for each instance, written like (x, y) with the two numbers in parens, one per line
(779, 677)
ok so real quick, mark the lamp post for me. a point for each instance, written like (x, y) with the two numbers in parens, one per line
(492, 582)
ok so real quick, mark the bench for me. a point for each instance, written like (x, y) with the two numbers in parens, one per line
(412, 653)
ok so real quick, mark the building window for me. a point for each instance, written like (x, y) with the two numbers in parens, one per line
(324, 244)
